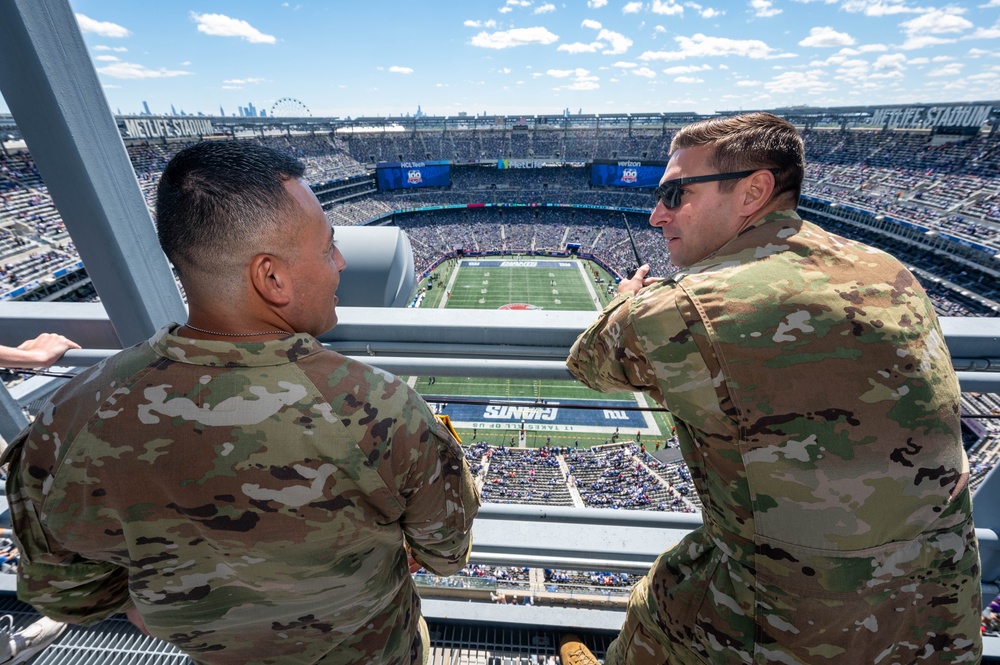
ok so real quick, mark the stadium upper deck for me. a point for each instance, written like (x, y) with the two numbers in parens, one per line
(923, 191)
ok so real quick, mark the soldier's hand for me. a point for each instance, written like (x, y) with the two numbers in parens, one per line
(632, 286)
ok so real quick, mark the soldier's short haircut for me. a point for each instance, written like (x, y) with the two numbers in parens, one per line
(747, 142)
(216, 200)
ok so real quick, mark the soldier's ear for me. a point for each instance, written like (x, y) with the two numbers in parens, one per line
(269, 276)
(757, 191)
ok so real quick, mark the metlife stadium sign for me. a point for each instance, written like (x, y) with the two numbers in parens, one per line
(166, 128)
(928, 117)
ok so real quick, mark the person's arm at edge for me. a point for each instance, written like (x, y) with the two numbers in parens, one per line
(41, 351)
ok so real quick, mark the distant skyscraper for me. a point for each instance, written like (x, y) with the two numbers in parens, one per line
(145, 109)
(173, 111)
(221, 112)
(263, 113)
(251, 111)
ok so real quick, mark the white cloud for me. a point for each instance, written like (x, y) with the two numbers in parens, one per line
(588, 23)
(480, 24)
(924, 41)
(505, 70)
(953, 69)
(106, 58)
(936, 22)
(243, 81)
(667, 7)
(709, 12)
(826, 36)
(764, 8)
(747, 84)
(545, 9)
(636, 7)
(396, 69)
(116, 49)
(619, 42)
(895, 61)
(878, 7)
(985, 33)
(128, 70)
(701, 46)
(580, 47)
(219, 25)
(102, 28)
(991, 3)
(872, 48)
(505, 10)
(645, 72)
(514, 37)
(582, 85)
(624, 65)
(688, 79)
(798, 82)
(596, 4)
(685, 69)
(518, 3)
(565, 73)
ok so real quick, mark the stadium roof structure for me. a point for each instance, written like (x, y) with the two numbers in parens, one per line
(57, 97)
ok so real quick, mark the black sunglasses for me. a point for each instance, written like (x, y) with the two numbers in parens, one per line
(669, 193)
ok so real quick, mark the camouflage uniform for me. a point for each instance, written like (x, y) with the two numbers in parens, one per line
(252, 499)
(818, 411)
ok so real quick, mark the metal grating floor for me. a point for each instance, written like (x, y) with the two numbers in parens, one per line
(117, 642)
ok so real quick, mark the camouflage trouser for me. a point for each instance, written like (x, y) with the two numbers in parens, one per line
(636, 644)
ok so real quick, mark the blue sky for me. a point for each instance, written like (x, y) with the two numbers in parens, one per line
(344, 58)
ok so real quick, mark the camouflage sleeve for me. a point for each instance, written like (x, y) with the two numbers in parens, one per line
(608, 356)
(441, 502)
(58, 583)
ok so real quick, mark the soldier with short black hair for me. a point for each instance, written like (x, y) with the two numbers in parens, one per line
(818, 411)
(240, 491)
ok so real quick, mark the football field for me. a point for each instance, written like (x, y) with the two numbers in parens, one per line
(533, 413)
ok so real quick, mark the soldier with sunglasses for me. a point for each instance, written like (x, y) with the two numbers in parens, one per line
(818, 411)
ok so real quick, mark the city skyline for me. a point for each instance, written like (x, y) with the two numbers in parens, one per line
(538, 57)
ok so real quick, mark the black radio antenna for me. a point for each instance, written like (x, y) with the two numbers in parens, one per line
(638, 259)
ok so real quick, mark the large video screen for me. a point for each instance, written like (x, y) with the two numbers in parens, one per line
(407, 175)
(626, 173)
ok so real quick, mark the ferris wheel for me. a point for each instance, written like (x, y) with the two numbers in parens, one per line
(289, 107)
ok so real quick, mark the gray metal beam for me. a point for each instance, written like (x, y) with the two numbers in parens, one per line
(50, 85)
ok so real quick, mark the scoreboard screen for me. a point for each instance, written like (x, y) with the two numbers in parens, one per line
(406, 175)
(626, 173)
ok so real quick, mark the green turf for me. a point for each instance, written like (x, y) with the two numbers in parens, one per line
(545, 287)
(491, 288)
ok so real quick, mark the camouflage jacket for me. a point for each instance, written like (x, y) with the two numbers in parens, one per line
(818, 411)
(251, 499)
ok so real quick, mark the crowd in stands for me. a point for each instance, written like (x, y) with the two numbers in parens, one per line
(471, 146)
(617, 479)
(10, 556)
(530, 476)
(522, 230)
(586, 580)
